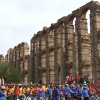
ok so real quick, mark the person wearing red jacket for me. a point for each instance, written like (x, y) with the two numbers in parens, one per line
(16, 91)
(96, 87)
(79, 79)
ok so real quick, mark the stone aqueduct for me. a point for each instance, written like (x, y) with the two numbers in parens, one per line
(58, 51)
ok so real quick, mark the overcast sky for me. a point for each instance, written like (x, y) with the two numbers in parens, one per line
(20, 19)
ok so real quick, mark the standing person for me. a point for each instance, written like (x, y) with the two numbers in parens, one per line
(82, 80)
(20, 92)
(67, 78)
(41, 96)
(93, 89)
(61, 92)
(93, 81)
(79, 92)
(85, 93)
(2, 93)
(67, 93)
(76, 80)
(57, 93)
(50, 92)
(79, 79)
(16, 91)
(10, 93)
(75, 92)
(72, 79)
(96, 87)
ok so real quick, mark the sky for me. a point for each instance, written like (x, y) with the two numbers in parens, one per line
(21, 19)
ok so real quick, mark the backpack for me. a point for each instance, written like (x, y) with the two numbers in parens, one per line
(72, 79)
(69, 79)
(65, 93)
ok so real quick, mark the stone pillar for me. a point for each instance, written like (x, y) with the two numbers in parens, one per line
(17, 59)
(39, 57)
(26, 66)
(32, 61)
(84, 58)
(14, 58)
(69, 48)
(95, 44)
(43, 57)
(63, 56)
(47, 58)
(37, 60)
(55, 56)
(75, 55)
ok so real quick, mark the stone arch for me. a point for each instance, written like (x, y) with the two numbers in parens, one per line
(60, 23)
(83, 13)
(71, 18)
(92, 6)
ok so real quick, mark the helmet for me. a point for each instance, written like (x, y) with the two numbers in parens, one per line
(43, 90)
(3, 87)
(60, 85)
(40, 90)
(84, 84)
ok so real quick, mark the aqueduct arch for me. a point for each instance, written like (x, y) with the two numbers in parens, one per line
(69, 53)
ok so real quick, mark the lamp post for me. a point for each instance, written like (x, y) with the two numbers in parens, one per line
(12, 76)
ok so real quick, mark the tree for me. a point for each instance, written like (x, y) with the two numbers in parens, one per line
(9, 73)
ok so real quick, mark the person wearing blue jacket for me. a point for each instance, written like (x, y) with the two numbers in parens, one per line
(41, 96)
(85, 93)
(67, 93)
(2, 93)
(79, 92)
(75, 92)
(61, 92)
(57, 93)
(50, 92)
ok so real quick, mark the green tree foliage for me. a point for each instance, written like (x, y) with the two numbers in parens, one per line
(9, 73)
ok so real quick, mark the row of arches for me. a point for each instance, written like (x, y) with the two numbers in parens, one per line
(71, 35)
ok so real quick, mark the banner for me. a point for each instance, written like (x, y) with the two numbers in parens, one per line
(2, 81)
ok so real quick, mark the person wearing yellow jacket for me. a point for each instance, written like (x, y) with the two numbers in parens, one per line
(10, 93)
(20, 92)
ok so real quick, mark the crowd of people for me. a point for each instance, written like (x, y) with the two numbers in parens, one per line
(81, 88)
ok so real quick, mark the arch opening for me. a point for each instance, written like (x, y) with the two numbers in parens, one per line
(74, 20)
(86, 15)
(88, 20)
